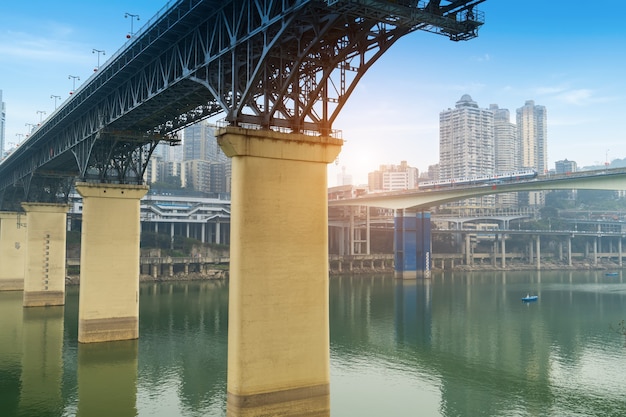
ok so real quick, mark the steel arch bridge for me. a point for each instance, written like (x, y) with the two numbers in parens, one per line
(287, 65)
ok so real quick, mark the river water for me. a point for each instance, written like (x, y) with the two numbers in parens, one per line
(460, 344)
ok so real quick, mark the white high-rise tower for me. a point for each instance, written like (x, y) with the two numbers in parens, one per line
(466, 145)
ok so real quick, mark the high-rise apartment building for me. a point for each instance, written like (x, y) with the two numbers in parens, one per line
(2, 125)
(506, 148)
(466, 145)
(532, 132)
(207, 168)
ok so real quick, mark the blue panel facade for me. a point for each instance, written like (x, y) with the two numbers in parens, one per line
(413, 243)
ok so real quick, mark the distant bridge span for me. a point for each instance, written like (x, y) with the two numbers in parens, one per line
(606, 179)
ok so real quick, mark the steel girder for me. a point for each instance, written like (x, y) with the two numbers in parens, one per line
(271, 64)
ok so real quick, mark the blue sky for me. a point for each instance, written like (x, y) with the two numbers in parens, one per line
(566, 57)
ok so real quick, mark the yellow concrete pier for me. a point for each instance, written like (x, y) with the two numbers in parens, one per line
(109, 268)
(12, 250)
(278, 336)
(44, 279)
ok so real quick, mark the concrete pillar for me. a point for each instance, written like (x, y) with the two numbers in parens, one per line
(468, 250)
(569, 250)
(218, 233)
(530, 252)
(155, 270)
(538, 243)
(367, 231)
(109, 271)
(595, 251)
(278, 320)
(203, 232)
(12, 250)
(503, 250)
(44, 278)
(619, 250)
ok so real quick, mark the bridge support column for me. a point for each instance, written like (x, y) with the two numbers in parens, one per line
(109, 271)
(44, 279)
(569, 250)
(619, 251)
(412, 245)
(12, 250)
(278, 326)
(538, 243)
(503, 249)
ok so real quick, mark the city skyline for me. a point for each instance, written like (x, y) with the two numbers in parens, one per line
(568, 59)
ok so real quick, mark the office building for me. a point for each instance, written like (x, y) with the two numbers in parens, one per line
(393, 177)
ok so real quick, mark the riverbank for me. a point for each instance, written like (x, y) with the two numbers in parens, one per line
(221, 274)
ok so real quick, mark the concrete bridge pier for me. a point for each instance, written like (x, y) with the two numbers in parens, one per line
(12, 250)
(278, 320)
(412, 245)
(109, 273)
(44, 275)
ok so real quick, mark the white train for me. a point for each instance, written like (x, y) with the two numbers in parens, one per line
(487, 179)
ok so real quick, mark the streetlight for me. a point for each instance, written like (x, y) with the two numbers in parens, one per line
(606, 163)
(73, 78)
(99, 51)
(40, 113)
(19, 138)
(55, 100)
(32, 126)
(132, 17)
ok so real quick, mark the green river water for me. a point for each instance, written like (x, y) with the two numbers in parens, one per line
(459, 344)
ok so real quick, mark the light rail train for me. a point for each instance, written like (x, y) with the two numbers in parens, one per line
(505, 177)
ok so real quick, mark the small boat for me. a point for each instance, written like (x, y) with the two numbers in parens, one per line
(530, 298)
(612, 274)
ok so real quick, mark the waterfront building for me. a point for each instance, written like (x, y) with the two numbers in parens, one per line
(466, 146)
(393, 177)
(532, 131)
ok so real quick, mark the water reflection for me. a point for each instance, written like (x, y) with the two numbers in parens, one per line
(107, 379)
(10, 350)
(42, 361)
(461, 344)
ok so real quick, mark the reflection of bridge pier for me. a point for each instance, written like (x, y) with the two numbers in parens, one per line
(278, 340)
(42, 361)
(107, 379)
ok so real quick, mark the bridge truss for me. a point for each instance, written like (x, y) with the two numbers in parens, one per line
(267, 64)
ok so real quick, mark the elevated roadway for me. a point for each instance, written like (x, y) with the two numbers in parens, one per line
(606, 179)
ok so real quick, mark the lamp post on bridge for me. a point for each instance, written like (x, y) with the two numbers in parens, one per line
(40, 113)
(99, 52)
(32, 126)
(55, 100)
(73, 78)
(132, 17)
